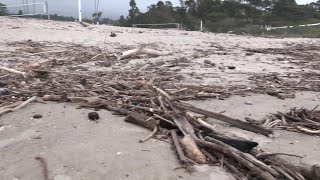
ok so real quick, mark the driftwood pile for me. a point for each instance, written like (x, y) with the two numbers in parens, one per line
(297, 120)
(152, 101)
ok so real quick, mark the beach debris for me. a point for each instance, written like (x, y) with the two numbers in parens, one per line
(37, 116)
(155, 100)
(298, 120)
(142, 49)
(113, 34)
(93, 116)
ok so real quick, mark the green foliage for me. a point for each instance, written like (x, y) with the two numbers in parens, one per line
(134, 12)
(3, 10)
(243, 16)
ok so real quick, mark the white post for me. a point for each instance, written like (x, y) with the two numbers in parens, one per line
(80, 11)
(201, 26)
(47, 9)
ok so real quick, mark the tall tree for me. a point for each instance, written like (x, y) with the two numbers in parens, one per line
(133, 12)
(3, 10)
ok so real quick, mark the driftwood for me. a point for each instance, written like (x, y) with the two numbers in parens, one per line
(246, 156)
(24, 74)
(141, 120)
(177, 146)
(142, 50)
(149, 136)
(192, 150)
(301, 172)
(264, 175)
(221, 117)
(23, 104)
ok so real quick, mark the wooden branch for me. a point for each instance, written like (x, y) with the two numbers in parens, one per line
(248, 157)
(201, 122)
(178, 147)
(221, 117)
(301, 171)
(259, 172)
(163, 93)
(281, 171)
(150, 135)
(23, 104)
(209, 156)
(24, 74)
(192, 150)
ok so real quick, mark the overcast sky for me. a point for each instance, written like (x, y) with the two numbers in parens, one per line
(110, 8)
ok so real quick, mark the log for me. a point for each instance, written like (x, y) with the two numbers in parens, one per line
(221, 117)
(178, 147)
(192, 150)
(184, 126)
(141, 120)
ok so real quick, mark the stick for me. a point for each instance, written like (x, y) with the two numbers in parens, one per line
(248, 157)
(283, 172)
(24, 74)
(162, 105)
(201, 122)
(178, 147)
(23, 104)
(306, 130)
(163, 93)
(240, 124)
(164, 119)
(150, 135)
(263, 174)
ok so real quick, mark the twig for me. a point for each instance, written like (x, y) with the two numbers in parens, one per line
(164, 119)
(163, 93)
(279, 170)
(150, 135)
(162, 105)
(24, 74)
(7, 110)
(306, 130)
(200, 121)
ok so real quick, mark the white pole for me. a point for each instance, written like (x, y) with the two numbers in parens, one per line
(201, 26)
(80, 11)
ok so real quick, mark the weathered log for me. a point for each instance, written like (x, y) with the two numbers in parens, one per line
(221, 117)
(178, 147)
(141, 120)
(184, 126)
(242, 145)
(192, 150)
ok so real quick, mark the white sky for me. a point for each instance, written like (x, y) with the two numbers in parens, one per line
(110, 8)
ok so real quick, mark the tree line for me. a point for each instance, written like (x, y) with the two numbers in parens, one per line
(227, 15)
